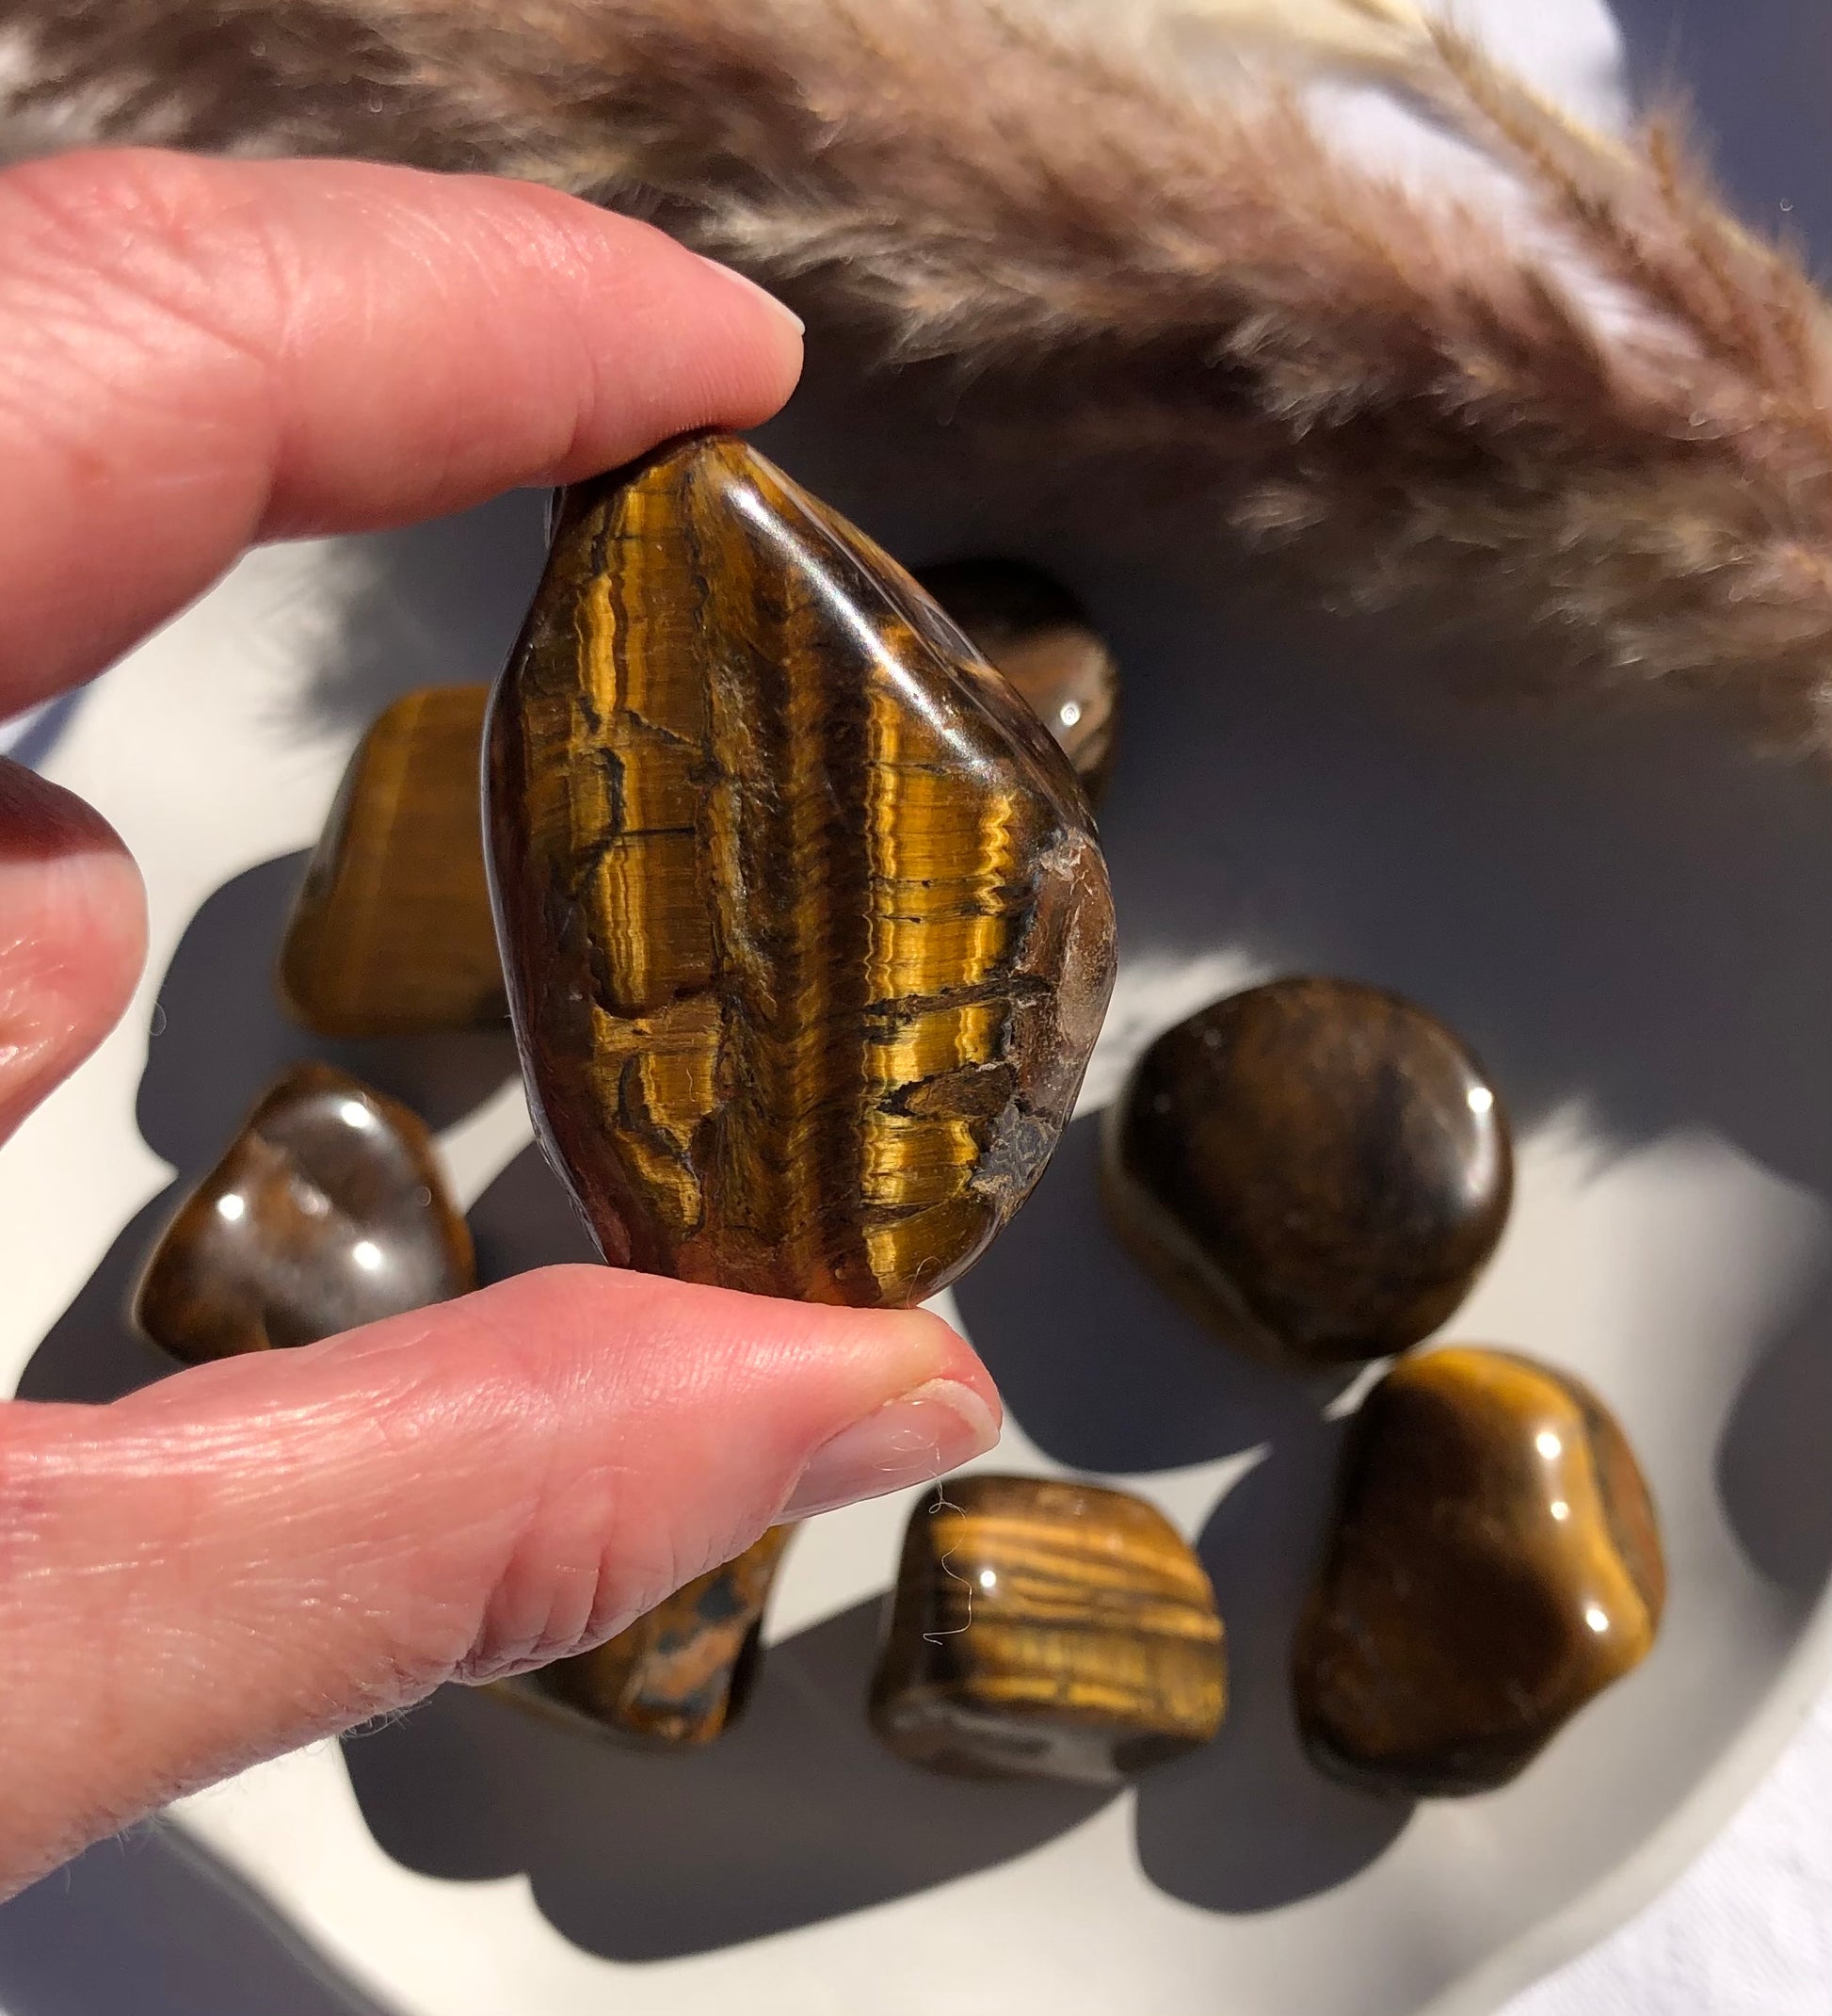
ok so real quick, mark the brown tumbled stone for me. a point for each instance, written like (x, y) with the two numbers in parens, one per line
(1034, 632)
(1494, 1566)
(683, 1673)
(329, 1210)
(1047, 1628)
(392, 932)
(1317, 1166)
(807, 932)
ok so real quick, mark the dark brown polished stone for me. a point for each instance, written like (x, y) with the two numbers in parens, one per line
(1034, 631)
(683, 1673)
(807, 934)
(1047, 1629)
(1319, 1168)
(391, 933)
(329, 1210)
(1495, 1565)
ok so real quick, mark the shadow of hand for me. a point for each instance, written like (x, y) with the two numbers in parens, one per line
(795, 1816)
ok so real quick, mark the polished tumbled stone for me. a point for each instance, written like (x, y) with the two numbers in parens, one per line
(807, 933)
(1494, 1566)
(391, 931)
(1033, 631)
(1047, 1628)
(682, 1673)
(329, 1210)
(1318, 1167)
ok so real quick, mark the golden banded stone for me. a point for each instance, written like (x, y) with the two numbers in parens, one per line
(391, 933)
(807, 933)
(1495, 1565)
(1047, 1628)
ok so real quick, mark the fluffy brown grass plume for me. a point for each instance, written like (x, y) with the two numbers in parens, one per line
(1607, 425)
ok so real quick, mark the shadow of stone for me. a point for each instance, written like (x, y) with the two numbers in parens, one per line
(220, 1039)
(149, 1922)
(435, 604)
(1593, 903)
(1058, 1311)
(221, 1036)
(525, 1220)
(797, 1816)
(1250, 1824)
(1773, 1468)
(93, 1353)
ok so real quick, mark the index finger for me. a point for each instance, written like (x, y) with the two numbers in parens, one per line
(196, 355)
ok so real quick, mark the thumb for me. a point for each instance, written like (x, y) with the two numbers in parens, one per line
(265, 1550)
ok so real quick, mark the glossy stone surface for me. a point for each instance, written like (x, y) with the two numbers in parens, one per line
(1033, 631)
(329, 1210)
(1494, 1566)
(807, 932)
(1319, 1169)
(1047, 1628)
(391, 933)
(682, 1673)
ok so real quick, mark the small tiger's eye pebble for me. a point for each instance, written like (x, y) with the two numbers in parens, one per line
(1317, 1166)
(1495, 1564)
(807, 932)
(681, 1673)
(1033, 631)
(391, 933)
(1047, 1629)
(329, 1210)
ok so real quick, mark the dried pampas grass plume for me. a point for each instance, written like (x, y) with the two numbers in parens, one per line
(1607, 425)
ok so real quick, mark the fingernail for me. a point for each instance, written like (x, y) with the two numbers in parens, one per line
(763, 294)
(908, 1441)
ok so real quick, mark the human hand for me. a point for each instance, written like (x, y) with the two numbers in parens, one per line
(195, 356)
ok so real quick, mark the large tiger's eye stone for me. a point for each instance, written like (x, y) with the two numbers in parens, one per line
(1034, 632)
(807, 933)
(683, 1673)
(1494, 1566)
(1047, 1629)
(391, 933)
(329, 1210)
(1319, 1168)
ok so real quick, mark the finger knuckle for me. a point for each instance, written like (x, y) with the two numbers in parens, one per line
(114, 211)
(105, 235)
